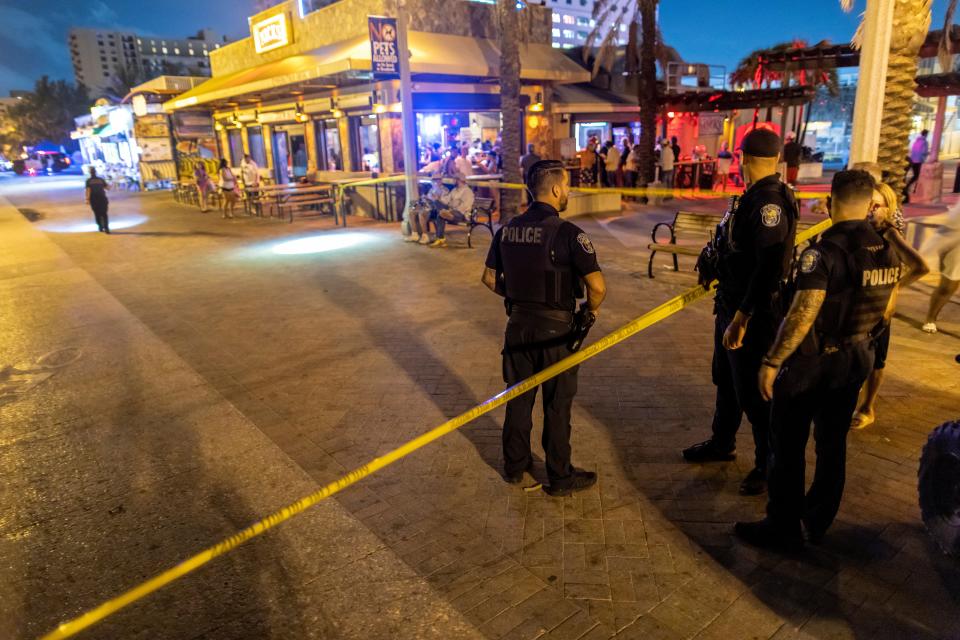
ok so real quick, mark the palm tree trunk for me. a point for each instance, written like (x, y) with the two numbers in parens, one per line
(648, 98)
(510, 108)
(911, 22)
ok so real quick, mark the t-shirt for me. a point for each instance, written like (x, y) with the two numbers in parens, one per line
(250, 173)
(463, 165)
(459, 199)
(98, 189)
(572, 246)
(526, 162)
(667, 158)
(613, 159)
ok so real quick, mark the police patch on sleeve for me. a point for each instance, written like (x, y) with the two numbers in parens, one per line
(585, 243)
(770, 215)
(809, 260)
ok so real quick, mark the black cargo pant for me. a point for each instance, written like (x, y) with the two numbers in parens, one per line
(735, 373)
(821, 389)
(100, 213)
(531, 345)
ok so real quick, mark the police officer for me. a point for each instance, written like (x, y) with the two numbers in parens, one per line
(540, 263)
(753, 249)
(822, 354)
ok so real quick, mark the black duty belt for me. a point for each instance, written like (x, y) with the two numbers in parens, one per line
(832, 345)
(557, 315)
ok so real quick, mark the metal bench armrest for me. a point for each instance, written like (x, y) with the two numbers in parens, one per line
(668, 225)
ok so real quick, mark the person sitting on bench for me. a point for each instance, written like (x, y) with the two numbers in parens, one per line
(429, 206)
(455, 207)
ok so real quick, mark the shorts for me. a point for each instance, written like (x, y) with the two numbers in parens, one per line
(950, 263)
(881, 346)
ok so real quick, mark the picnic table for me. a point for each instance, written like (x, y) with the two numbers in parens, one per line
(691, 174)
(295, 196)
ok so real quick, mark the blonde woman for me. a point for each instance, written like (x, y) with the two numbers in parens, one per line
(228, 185)
(887, 218)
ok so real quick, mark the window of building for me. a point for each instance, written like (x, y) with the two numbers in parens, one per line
(164, 49)
(581, 21)
(154, 49)
(139, 41)
(582, 35)
(366, 143)
(556, 16)
(329, 152)
(568, 19)
(206, 53)
(190, 51)
(236, 146)
(176, 51)
(257, 151)
(556, 33)
(568, 34)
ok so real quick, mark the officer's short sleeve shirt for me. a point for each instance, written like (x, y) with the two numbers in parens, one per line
(493, 254)
(580, 252)
(573, 246)
(815, 268)
(767, 219)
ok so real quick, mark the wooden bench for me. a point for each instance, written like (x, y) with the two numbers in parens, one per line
(323, 202)
(698, 225)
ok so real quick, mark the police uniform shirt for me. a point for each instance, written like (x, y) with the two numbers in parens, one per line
(858, 270)
(572, 247)
(763, 233)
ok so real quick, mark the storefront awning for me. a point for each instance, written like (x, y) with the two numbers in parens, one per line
(585, 98)
(432, 54)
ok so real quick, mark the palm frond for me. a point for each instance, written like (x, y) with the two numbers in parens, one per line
(944, 53)
(600, 20)
(846, 5)
(607, 51)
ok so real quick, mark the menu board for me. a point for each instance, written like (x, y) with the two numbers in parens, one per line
(155, 149)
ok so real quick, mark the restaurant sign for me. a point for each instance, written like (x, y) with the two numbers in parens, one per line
(271, 33)
(384, 55)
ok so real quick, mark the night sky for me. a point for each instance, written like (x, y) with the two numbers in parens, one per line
(710, 31)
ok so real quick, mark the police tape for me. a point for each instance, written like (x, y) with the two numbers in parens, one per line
(674, 305)
(655, 192)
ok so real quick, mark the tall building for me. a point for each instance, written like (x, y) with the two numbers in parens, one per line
(573, 21)
(99, 56)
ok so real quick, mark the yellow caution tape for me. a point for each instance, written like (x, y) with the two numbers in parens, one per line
(656, 192)
(665, 310)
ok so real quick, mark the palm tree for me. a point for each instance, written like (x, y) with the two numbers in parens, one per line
(511, 112)
(911, 22)
(644, 47)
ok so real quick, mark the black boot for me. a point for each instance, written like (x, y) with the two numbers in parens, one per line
(708, 451)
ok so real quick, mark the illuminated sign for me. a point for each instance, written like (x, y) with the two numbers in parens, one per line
(271, 33)
(384, 58)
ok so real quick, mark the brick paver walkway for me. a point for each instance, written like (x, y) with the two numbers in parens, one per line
(340, 356)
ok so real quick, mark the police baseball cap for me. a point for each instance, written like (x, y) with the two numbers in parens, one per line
(761, 143)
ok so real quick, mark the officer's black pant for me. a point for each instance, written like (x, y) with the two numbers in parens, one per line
(100, 214)
(735, 373)
(822, 390)
(531, 346)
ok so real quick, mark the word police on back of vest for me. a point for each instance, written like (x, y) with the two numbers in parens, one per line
(523, 235)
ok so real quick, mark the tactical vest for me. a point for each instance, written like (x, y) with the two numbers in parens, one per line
(850, 314)
(530, 270)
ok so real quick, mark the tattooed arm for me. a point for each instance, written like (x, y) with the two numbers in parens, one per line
(794, 328)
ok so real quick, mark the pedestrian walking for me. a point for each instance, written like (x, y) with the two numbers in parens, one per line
(667, 161)
(203, 183)
(540, 263)
(822, 355)
(943, 248)
(96, 197)
(919, 151)
(750, 256)
(228, 188)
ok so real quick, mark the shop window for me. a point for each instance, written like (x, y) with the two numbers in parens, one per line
(328, 145)
(366, 143)
(236, 147)
(257, 150)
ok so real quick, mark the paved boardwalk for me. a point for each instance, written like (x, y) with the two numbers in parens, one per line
(220, 379)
